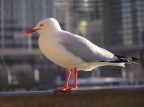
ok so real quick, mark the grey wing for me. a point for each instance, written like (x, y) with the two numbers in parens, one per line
(84, 49)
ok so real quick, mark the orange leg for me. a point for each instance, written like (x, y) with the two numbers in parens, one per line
(66, 89)
(75, 74)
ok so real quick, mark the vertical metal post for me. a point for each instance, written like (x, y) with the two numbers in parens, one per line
(36, 75)
(96, 73)
(54, 8)
(9, 74)
(68, 15)
(140, 18)
(124, 72)
(44, 8)
(2, 25)
(23, 12)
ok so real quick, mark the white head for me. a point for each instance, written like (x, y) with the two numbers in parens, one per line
(46, 25)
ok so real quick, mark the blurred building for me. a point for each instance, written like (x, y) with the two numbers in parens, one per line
(18, 52)
(88, 19)
(114, 24)
(123, 22)
(123, 29)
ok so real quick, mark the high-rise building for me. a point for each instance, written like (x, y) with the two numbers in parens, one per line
(83, 17)
(114, 24)
(16, 16)
(117, 25)
(123, 28)
(123, 22)
(19, 52)
(88, 19)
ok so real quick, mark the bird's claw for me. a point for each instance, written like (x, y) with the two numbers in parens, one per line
(64, 90)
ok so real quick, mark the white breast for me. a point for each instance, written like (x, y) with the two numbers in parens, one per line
(55, 52)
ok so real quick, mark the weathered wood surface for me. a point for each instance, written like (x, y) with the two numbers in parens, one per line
(107, 97)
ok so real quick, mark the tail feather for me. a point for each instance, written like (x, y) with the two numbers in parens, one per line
(122, 60)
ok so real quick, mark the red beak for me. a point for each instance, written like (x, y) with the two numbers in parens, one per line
(31, 31)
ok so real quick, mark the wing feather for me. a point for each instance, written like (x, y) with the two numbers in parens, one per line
(84, 49)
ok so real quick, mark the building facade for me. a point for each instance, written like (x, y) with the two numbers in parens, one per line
(123, 29)
(19, 53)
(117, 25)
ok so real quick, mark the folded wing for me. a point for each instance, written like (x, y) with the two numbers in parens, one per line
(84, 49)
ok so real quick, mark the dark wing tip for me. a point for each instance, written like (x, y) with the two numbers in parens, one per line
(127, 58)
(134, 59)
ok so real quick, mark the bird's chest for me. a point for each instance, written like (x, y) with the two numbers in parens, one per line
(52, 50)
(55, 52)
(49, 48)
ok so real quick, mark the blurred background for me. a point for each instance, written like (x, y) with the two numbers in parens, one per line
(117, 25)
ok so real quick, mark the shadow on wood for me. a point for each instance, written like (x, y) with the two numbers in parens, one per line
(107, 97)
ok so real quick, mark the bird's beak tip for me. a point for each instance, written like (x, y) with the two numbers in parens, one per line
(30, 31)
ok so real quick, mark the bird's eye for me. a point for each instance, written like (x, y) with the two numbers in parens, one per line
(41, 25)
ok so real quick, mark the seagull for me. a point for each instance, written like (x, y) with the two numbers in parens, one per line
(73, 52)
